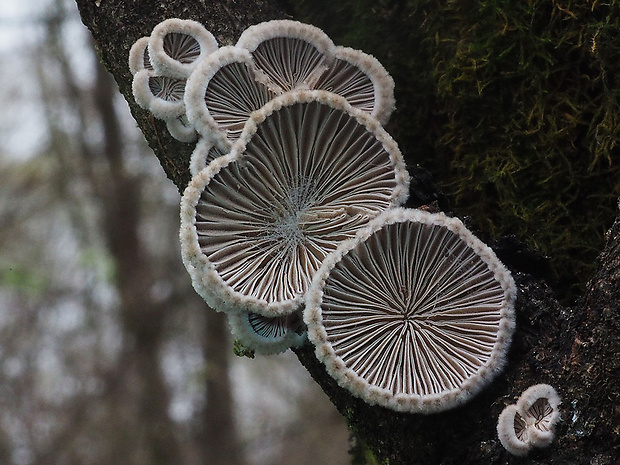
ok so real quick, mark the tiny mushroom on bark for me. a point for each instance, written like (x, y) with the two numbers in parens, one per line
(268, 335)
(161, 95)
(513, 432)
(176, 46)
(415, 313)
(531, 421)
(307, 172)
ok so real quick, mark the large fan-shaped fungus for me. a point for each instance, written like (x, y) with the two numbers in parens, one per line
(307, 172)
(415, 313)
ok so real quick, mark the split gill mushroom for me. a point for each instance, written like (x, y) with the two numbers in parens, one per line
(414, 314)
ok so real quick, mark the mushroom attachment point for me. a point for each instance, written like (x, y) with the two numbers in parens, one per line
(307, 172)
(414, 314)
(181, 129)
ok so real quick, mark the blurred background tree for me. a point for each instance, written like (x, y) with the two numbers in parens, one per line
(107, 355)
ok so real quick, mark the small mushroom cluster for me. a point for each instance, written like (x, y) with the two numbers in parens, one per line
(162, 63)
(292, 223)
(531, 421)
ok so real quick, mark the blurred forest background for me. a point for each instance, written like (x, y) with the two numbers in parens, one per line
(107, 356)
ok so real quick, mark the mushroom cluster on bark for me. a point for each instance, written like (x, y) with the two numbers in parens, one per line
(293, 222)
(531, 421)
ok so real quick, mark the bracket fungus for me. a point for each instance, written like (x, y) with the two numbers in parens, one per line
(182, 77)
(268, 335)
(414, 314)
(307, 172)
(531, 421)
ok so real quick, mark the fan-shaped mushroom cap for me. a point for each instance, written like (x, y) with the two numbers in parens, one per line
(307, 172)
(205, 152)
(223, 91)
(362, 80)
(139, 56)
(513, 432)
(268, 335)
(161, 95)
(414, 314)
(290, 54)
(176, 46)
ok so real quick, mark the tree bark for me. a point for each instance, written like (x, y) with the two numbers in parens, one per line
(572, 348)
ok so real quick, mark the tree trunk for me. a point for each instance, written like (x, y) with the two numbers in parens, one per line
(572, 348)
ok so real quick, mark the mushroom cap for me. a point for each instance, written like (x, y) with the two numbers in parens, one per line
(223, 91)
(362, 80)
(176, 46)
(139, 56)
(415, 313)
(513, 432)
(161, 95)
(540, 406)
(205, 152)
(268, 335)
(307, 172)
(531, 421)
(291, 55)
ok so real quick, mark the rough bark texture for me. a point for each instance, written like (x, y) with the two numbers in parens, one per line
(574, 349)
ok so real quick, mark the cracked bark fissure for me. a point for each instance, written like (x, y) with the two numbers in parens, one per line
(575, 349)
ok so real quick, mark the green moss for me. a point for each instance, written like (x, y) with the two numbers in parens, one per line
(361, 454)
(513, 106)
(242, 351)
